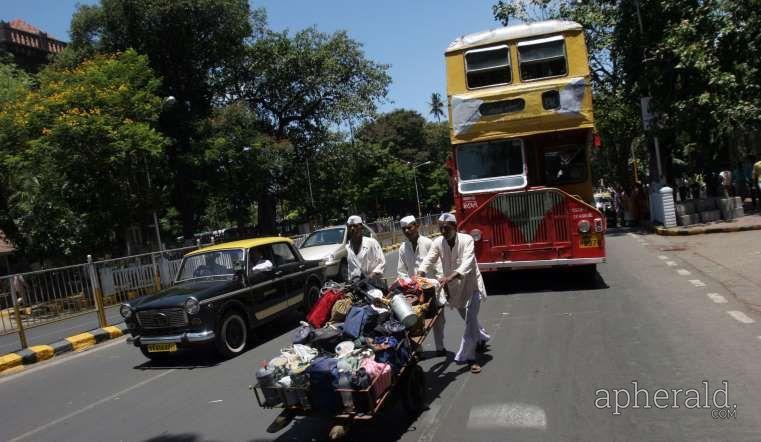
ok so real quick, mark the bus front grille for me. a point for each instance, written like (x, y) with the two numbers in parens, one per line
(529, 218)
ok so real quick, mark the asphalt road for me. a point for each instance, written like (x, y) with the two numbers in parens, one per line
(557, 344)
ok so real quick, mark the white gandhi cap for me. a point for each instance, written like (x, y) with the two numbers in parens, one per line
(447, 217)
(407, 220)
(354, 220)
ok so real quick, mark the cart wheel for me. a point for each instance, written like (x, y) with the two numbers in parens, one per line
(413, 396)
(338, 432)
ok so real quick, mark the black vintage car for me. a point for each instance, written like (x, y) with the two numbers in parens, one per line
(221, 294)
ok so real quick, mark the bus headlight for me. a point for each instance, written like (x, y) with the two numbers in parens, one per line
(192, 306)
(125, 310)
(476, 234)
(584, 226)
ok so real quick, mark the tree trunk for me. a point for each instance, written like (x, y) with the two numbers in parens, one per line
(266, 214)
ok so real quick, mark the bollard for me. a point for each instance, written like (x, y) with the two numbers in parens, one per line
(17, 313)
(96, 293)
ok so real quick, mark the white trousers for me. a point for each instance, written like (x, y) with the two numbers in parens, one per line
(474, 333)
(438, 331)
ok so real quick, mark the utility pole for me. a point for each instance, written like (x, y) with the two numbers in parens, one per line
(417, 194)
(647, 117)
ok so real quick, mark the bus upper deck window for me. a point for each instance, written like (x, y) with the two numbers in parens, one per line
(542, 58)
(488, 66)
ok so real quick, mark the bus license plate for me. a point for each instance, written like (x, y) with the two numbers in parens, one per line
(158, 348)
(587, 241)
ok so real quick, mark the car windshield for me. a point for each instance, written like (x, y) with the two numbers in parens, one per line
(210, 264)
(325, 237)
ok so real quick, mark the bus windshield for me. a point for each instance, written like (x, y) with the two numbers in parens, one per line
(491, 165)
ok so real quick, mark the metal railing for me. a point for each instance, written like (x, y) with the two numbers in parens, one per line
(41, 297)
(36, 298)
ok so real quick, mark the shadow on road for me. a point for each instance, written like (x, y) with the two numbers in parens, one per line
(178, 438)
(622, 231)
(544, 280)
(206, 357)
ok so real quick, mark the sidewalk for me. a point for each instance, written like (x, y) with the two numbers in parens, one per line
(745, 223)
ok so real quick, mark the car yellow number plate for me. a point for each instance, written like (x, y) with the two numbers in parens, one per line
(591, 240)
(158, 348)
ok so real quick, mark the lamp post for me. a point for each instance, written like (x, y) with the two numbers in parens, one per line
(417, 194)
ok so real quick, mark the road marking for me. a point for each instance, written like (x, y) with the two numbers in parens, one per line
(671, 263)
(663, 257)
(89, 407)
(740, 316)
(717, 298)
(645, 243)
(697, 283)
(684, 272)
(632, 235)
(511, 415)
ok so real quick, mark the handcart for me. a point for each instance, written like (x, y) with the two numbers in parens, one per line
(409, 383)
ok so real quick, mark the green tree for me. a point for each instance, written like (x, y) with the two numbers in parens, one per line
(78, 150)
(188, 42)
(301, 87)
(437, 106)
(14, 84)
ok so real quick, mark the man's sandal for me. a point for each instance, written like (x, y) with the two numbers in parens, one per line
(475, 368)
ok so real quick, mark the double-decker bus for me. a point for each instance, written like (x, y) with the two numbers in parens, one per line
(522, 127)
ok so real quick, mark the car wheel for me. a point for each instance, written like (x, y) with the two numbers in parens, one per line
(310, 297)
(343, 271)
(157, 357)
(232, 335)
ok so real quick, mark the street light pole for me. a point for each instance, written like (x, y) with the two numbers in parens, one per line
(417, 193)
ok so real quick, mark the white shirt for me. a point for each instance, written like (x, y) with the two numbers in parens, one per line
(369, 260)
(462, 260)
(410, 258)
(264, 265)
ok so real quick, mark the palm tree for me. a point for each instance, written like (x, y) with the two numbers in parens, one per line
(437, 106)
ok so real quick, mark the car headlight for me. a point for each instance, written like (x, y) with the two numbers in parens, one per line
(476, 234)
(331, 259)
(584, 226)
(125, 310)
(192, 306)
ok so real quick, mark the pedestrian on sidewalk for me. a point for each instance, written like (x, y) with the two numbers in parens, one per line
(364, 256)
(756, 180)
(463, 284)
(411, 254)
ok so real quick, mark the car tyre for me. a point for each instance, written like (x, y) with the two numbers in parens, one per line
(311, 296)
(232, 335)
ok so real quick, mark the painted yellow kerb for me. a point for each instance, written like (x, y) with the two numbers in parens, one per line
(10, 360)
(82, 341)
(43, 352)
(114, 332)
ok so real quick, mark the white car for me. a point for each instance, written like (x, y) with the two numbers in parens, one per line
(328, 246)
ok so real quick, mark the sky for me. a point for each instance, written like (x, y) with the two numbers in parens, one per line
(409, 35)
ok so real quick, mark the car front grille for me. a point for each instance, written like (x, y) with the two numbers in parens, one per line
(163, 318)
